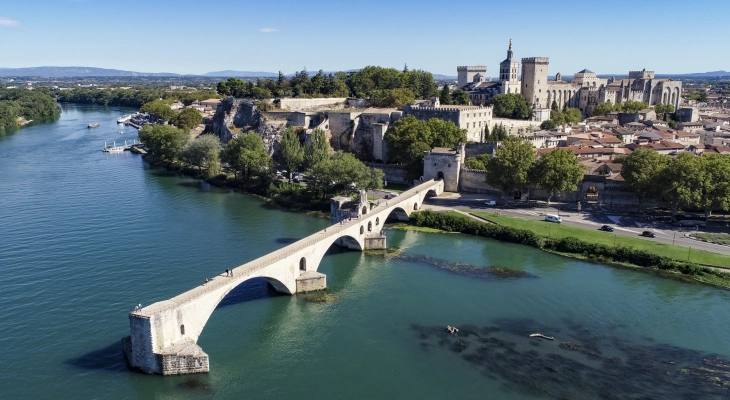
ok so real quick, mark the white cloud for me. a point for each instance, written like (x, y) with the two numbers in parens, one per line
(269, 30)
(6, 22)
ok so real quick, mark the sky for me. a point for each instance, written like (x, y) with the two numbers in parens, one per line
(195, 37)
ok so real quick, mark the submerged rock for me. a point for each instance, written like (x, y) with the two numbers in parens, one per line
(582, 368)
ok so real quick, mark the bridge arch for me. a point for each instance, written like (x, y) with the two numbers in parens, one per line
(171, 327)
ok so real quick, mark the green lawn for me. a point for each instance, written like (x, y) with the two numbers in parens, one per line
(610, 239)
(723, 238)
(396, 187)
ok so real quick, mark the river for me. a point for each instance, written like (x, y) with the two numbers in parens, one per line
(88, 235)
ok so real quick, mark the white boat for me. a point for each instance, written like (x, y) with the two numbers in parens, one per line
(124, 118)
(114, 148)
(93, 125)
(121, 132)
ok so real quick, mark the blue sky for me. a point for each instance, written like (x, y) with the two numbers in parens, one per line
(183, 36)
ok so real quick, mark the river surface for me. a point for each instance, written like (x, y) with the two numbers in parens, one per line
(84, 236)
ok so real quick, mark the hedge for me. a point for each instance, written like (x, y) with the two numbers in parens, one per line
(453, 222)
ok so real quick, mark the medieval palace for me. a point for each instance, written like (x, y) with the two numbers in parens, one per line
(583, 92)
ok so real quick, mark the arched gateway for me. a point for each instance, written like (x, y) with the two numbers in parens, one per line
(163, 336)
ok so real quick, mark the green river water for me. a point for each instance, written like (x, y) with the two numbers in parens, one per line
(85, 236)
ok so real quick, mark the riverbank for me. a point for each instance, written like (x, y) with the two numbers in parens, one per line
(545, 229)
(573, 247)
(282, 195)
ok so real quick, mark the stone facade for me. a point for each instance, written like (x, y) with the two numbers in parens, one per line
(468, 74)
(471, 118)
(444, 164)
(583, 92)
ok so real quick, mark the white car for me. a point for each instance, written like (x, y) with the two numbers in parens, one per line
(490, 203)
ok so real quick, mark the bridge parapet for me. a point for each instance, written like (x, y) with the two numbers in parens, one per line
(164, 335)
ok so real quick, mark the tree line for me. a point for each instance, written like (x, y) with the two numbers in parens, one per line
(185, 119)
(686, 180)
(19, 104)
(388, 87)
(244, 156)
(514, 167)
(132, 97)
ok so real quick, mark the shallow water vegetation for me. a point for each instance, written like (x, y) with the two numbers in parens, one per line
(581, 367)
(322, 297)
(572, 246)
(492, 272)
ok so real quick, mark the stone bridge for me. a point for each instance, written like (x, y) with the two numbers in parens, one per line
(163, 336)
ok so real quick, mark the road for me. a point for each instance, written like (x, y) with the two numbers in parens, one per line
(591, 219)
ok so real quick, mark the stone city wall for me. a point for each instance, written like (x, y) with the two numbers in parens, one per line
(299, 104)
(393, 173)
(474, 181)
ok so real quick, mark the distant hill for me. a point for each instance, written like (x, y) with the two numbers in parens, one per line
(58, 72)
(242, 74)
(440, 77)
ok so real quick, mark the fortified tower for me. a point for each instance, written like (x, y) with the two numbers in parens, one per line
(509, 70)
(643, 74)
(466, 74)
(534, 81)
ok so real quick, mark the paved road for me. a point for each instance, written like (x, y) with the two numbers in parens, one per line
(592, 219)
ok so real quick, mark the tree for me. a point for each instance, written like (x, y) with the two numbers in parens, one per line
(319, 148)
(702, 98)
(486, 133)
(246, 156)
(164, 142)
(642, 171)
(714, 183)
(291, 152)
(548, 124)
(187, 119)
(202, 152)
(557, 171)
(633, 107)
(460, 97)
(478, 162)
(510, 105)
(510, 167)
(341, 173)
(409, 137)
(554, 106)
(395, 98)
(159, 109)
(499, 133)
(445, 95)
(572, 116)
(663, 108)
(603, 109)
(679, 181)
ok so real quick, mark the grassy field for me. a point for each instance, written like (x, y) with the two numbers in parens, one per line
(396, 187)
(609, 239)
(723, 238)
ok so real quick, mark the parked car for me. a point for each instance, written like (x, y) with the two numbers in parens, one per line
(607, 228)
(490, 203)
(553, 218)
(648, 234)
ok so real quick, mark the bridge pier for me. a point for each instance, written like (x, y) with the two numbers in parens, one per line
(311, 281)
(163, 336)
(375, 241)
